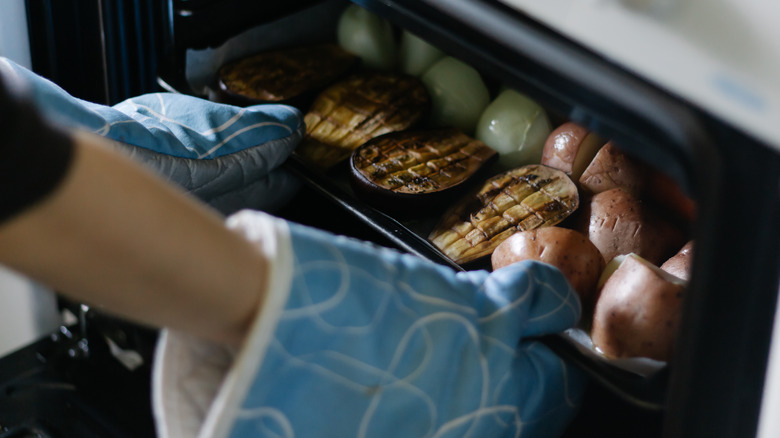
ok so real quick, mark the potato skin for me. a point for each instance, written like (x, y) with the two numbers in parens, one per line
(618, 222)
(638, 312)
(568, 250)
(679, 264)
(612, 168)
(571, 148)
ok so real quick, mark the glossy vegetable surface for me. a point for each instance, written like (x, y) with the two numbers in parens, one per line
(516, 127)
(571, 148)
(458, 93)
(355, 110)
(568, 250)
(638, 311)
(619, 223)
(521, 199)
(368, 36)
(283, 75)
(416, 55)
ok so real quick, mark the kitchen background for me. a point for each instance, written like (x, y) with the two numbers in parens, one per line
(27, 310)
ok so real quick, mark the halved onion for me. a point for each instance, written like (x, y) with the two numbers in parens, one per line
(416, 55)
(368, 36)
(458, 94)
(516, 127)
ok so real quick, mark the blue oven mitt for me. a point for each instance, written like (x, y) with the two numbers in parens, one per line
(358, 341)
(223, 154)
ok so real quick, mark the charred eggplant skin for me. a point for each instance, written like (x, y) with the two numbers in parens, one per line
(292, 75)
(413, 169)
(520, 199)
(357, 109)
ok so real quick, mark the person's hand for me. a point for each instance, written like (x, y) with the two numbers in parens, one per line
(225, 155)
(356, 340)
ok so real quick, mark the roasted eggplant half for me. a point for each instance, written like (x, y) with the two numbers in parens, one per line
(292, 76)
(404, 171)
(357, 109)
(520, 199)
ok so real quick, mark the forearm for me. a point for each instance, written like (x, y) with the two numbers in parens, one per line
(114, 236)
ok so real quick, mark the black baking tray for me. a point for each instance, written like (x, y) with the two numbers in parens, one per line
(646, 391)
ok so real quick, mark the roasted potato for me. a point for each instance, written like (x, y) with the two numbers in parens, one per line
(568, 250)
(571, 148)
(612, 168)
(618, 222)
(638, 310)
(679, 265)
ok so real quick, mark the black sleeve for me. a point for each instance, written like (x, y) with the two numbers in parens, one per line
(34, 156)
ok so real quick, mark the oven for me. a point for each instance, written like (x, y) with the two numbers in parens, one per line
(653, 76)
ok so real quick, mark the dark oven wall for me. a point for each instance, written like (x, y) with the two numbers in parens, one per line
(120, 47)
(103, 51)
